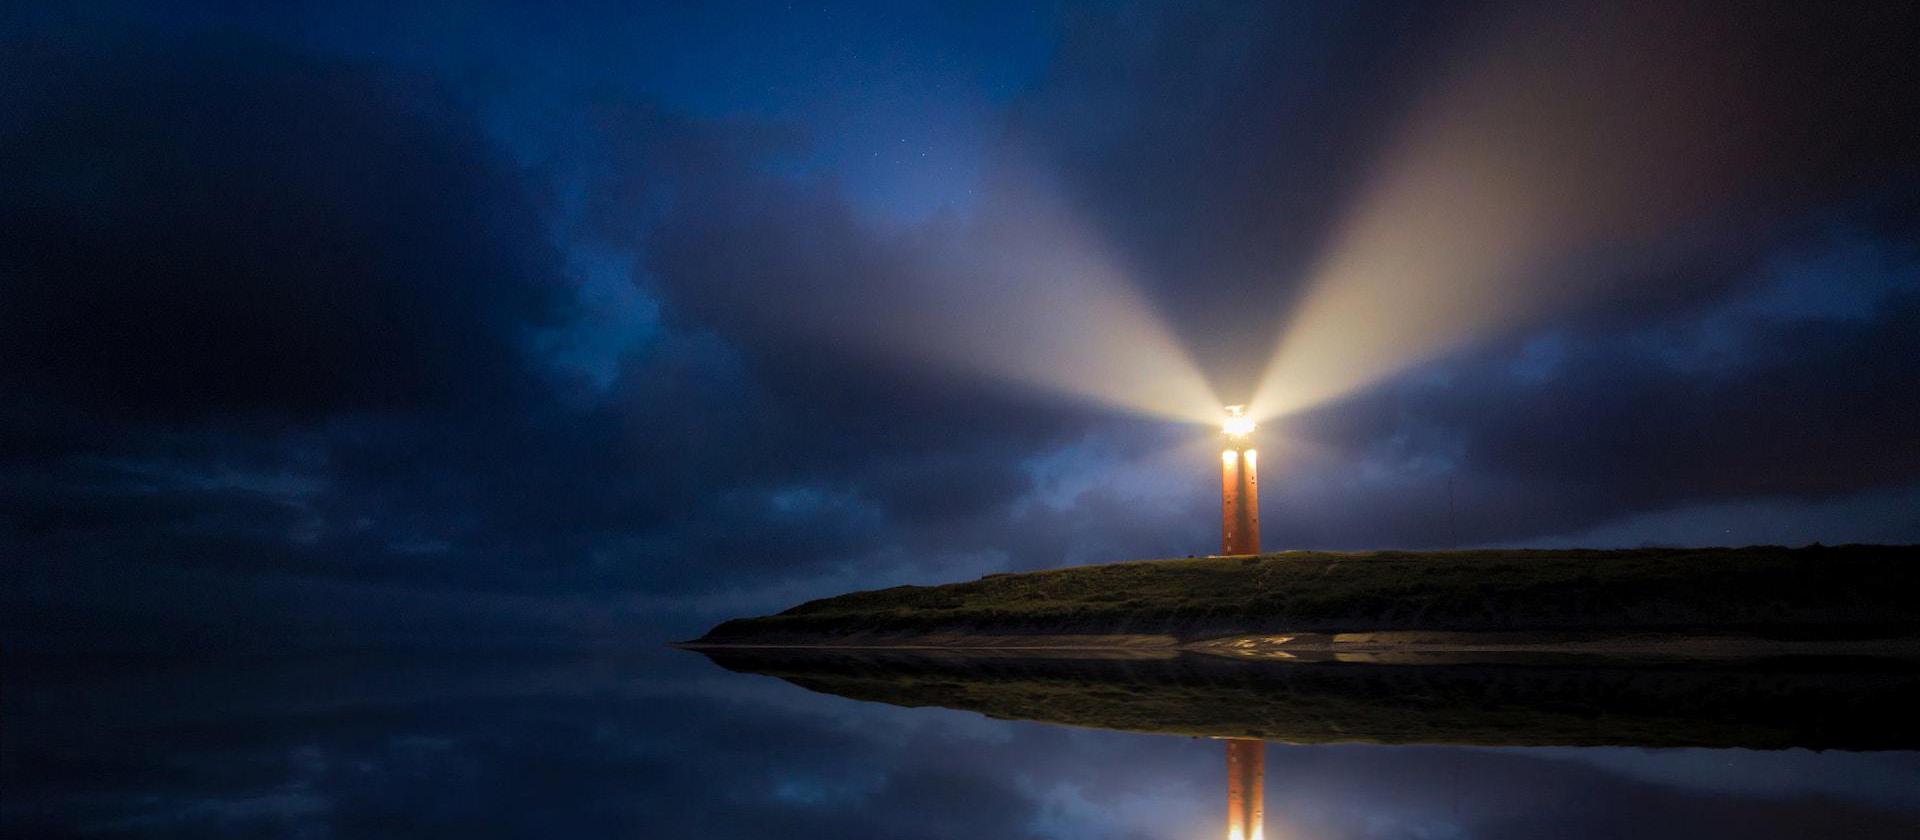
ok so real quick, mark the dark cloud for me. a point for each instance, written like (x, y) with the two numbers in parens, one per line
(1818, 407)
(1576, 428)
(207, 228)
(234, 265)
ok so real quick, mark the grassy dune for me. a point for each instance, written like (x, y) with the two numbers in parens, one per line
(1806, 593)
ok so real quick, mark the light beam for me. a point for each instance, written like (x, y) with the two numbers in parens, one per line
(1561, 136)
(1020, 291)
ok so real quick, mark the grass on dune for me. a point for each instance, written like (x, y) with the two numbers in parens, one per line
(1757, 588)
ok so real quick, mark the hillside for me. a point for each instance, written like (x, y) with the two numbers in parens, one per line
(1812, 593)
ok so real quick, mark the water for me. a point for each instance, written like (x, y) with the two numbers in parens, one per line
(667, 744)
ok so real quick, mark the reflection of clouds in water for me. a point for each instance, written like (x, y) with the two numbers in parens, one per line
(219, 814)
(1345, 791)
(666, 746)
(1888, 779)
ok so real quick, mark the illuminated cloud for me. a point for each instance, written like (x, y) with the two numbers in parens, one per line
(1561, 142)
(1019, 290)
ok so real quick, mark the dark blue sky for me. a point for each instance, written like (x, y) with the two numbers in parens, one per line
(451, 324)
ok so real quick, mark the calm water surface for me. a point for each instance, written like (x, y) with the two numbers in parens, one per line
(666, 744)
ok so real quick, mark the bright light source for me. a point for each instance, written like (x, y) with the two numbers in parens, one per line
(1237, 424)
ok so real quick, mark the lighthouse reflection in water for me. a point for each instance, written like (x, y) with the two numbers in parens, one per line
(1246, 787)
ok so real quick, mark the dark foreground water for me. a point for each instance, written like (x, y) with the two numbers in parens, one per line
(666, 744)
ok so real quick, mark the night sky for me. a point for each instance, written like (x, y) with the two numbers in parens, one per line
(337, 324)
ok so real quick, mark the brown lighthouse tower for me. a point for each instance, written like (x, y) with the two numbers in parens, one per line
(1239, 485)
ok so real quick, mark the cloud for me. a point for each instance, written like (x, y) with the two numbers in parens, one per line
(235, 266)
(211, 228)
(1566, 430)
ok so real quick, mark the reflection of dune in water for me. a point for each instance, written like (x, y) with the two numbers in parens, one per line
(1820, 703)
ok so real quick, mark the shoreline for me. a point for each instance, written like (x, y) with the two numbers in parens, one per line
(1349, 696)
(1762, 600)
(1359, 647)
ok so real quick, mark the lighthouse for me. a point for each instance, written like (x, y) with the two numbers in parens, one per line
(1239, 485)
